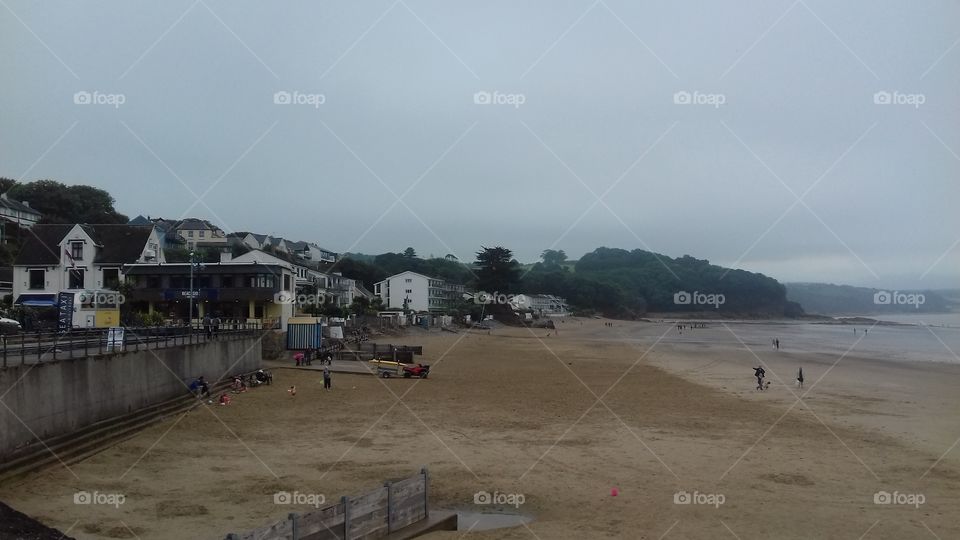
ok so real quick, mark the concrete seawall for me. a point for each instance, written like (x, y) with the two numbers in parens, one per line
(54, 398)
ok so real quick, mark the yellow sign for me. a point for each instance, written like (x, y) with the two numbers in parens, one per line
(107, 318)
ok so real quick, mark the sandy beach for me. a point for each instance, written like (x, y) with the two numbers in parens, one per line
(562, 420)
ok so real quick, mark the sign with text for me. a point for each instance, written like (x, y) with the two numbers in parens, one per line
(64, 311)
(115, 338)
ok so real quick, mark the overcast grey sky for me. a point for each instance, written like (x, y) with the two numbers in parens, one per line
(787, 166)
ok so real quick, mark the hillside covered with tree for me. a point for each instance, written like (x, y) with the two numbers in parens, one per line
(611, 281)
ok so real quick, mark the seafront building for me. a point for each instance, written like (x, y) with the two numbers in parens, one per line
(417, 292)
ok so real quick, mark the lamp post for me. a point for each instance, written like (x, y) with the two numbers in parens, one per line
(193, 264)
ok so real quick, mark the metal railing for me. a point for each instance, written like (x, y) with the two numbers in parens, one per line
(35, 347)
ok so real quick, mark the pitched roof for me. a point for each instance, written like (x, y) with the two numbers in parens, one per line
(41, 247)
(140, 220)
(117, 243)
(297, 246)
(195, 224)
(12, 204)
(120, 243)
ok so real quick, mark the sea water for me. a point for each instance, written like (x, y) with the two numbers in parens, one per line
(921, 337)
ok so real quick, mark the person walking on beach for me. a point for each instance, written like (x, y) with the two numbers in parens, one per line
(326, 377)
(208, 325)
(800, 377)
(777, 342)
(759, 373)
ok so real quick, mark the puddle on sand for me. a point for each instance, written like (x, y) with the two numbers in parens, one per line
(477, 521)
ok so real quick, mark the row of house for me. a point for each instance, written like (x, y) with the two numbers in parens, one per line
(55, 259)
(271, 281)
(417, 292)
(307, 251)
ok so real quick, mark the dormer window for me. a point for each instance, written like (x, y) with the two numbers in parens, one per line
(76, 251)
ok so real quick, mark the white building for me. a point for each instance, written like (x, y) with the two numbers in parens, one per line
(331, 288)
(305, 250)
(417, 292)
(544, 305)
(56, 258)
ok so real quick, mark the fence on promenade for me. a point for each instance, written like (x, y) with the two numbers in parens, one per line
(32, 347)
(374, 514)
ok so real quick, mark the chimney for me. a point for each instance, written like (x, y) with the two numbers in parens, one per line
(226, 256)
(26, 203)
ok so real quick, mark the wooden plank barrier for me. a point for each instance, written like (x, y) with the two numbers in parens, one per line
(368, 516)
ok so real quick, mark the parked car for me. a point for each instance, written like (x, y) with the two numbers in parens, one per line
(9, 326)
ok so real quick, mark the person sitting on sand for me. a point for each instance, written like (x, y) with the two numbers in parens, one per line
(200, 387)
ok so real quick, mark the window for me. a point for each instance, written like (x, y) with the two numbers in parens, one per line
(111, 278)
(286, 282)
(409, 291)
(76, 251)
(189, 234)
(409, 280)
(261, 281)
(37, 279)
(226, 281)
(76, 279)
(203, 234)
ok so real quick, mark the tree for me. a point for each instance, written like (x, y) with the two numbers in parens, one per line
(497, 270)
(553, 257)
(6, 184)
(60, 203)
(360, 305)
(410, 253)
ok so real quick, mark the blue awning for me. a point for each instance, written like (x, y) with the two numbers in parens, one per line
(37, 300)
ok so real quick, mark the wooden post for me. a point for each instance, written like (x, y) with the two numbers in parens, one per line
(426, 493)
(345, 501)
(294, 533)
(389, 486)
(54, 347)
